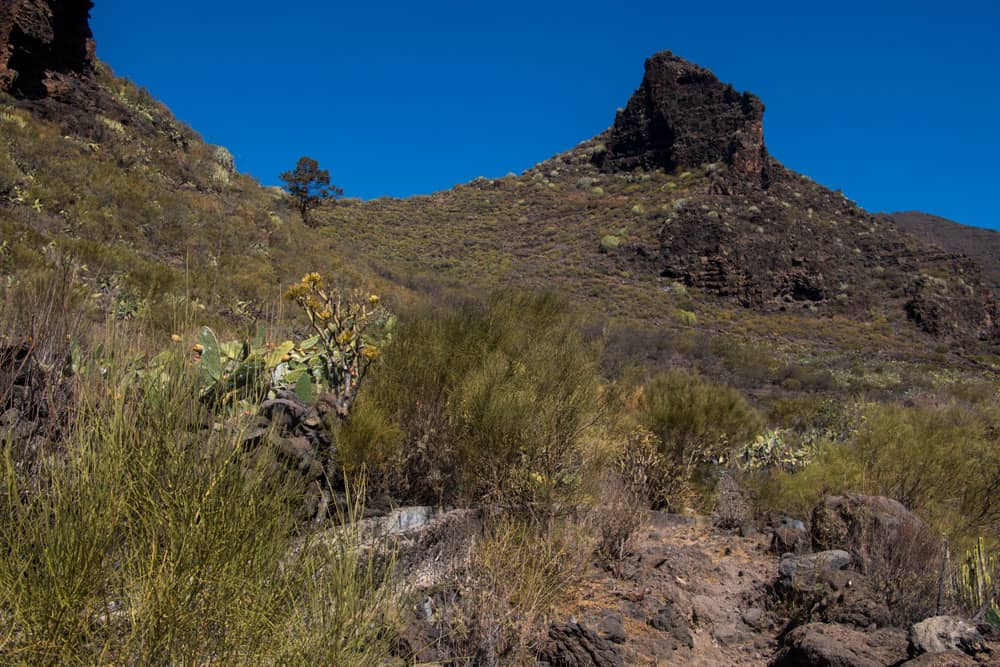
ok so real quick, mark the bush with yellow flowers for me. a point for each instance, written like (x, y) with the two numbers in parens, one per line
(350, 330)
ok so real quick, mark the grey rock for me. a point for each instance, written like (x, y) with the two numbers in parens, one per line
(945, 633)
(675, 624)
(754, 617)
(707, 611)
(611, 628)
(729, 634)
(794, 566)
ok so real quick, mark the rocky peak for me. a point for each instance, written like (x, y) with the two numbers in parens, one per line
(683, 116)
(41, 43)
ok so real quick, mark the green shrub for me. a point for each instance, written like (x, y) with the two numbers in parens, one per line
(941, 462)
(698, 427)
(495, 402)
(610, 243)
(145, 538)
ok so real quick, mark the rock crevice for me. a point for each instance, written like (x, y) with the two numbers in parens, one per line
(42, 41)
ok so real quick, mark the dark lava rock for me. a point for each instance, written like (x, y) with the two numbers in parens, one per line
(683, 116)
(574, 645)
(829, 645)
(41, 42)
(945, 633)
(816, 587)
(674, 623)
(807, 566)
(611, 628)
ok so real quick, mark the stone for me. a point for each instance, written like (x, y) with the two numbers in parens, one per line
(945, 659)
(847, 522)
(792, 567)
(816, 587)
(611, 628)
(831, 645)
(706, 610)
(945, 633)
(575, 645)
(683, 116)
(754, 617)
(729, 634)
(673, 622)
(42, 41)
(790, 536)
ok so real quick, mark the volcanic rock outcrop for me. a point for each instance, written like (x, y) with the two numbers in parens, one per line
(683, 116)
(41, 43)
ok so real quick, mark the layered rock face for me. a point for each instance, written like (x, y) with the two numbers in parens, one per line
(41, 43)
(683, 116)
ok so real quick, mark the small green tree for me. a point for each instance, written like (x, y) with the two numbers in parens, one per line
(310, 185)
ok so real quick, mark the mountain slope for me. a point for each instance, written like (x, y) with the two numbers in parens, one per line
(981, 245)
(94, 169)
(680, 191)
(675, 219)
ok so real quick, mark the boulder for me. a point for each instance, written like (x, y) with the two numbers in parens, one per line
(878, 531)
(830, 645)
(790, 536)
(575, 645)
(808, 566)
(816, 587)
(945, 633)
(842, 522)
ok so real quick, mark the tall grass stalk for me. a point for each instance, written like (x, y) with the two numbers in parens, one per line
(153, 537)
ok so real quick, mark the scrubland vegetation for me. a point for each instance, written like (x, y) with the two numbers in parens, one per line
(163, 503)
(139, 525)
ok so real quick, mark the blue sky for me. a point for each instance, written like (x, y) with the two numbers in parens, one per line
(896, 103)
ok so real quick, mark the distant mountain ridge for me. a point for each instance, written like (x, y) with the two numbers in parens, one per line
(982, 245)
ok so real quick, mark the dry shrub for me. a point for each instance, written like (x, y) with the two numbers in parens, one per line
(519, 573)
(903, 563)
(734, 508)
(482, 403)
(696, 425)
(619, 514)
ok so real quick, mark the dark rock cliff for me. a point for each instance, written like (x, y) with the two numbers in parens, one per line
(42, 42)
(683, 116)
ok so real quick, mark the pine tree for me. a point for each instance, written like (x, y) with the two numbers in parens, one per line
(309, 185)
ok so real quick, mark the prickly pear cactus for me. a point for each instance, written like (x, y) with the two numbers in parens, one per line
(349, 333)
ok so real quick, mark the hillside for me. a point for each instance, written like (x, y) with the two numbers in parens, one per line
(679, 192)
(93, 168)
(657, 400)
(981, 245)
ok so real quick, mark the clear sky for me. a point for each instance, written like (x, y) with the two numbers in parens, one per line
(896, 103)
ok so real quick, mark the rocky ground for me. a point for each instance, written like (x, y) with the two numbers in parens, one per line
(689, 593)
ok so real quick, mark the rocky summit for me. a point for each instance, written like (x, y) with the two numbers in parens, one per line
(683, 116)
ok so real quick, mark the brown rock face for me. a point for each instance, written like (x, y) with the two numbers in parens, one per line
(683, 116)
(41, 43)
